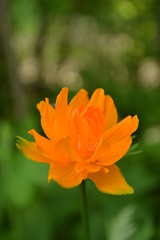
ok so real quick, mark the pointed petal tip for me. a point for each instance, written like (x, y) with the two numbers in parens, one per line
(99, 91)
(18, 145)
(31, 132)
(135, 123)
(18, 139)
(40, 105)
(111, 182)
(64, 90)
(19, 142)
(62, 98)
(110, 113)
(97, 99)
(129, 190)
(136, 119)
(49, 179)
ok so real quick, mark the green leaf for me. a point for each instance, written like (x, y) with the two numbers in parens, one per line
(122, 227)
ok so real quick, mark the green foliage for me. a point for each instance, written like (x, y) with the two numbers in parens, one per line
(122, 227)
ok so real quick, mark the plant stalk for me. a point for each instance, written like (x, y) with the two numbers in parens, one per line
(84, 210)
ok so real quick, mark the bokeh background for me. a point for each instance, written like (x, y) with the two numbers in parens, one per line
(45, 45)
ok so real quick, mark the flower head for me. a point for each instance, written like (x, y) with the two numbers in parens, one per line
(83, 141)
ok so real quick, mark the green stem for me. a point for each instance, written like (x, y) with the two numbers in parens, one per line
(84, 211)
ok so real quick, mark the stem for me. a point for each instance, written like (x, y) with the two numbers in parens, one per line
(84, 211)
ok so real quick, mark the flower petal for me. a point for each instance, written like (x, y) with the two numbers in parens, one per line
(43, 144)
(47, 118)
(112, 182)
(65, 152)
(121, 130)
(79, 132)
(110, 113)
(97, 99)
(64, 174)
(80, 99)
(30, 150)
(115, 142)
(88, 167)
(61, 113)
(109, 154)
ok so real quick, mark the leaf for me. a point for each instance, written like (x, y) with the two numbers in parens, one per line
(132, 149)
(122, 227)
(133, 137)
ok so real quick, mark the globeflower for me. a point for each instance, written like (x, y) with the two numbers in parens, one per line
(83, 141)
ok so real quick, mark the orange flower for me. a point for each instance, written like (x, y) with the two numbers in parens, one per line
(83, 141)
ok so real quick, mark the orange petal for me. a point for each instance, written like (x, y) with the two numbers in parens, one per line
(47, 118)
(115, 142)
(88, 167)
(97, 99)
(64, 174)
(112, 182)
(109, 154)
(121, 130)
(65, 152)
(92, 167)
(43, 144)
(110, 113)
(61, 113)
(79, 132)
(30, 150)
(80, 99)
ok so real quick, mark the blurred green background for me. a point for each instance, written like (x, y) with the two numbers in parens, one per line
(48, 44)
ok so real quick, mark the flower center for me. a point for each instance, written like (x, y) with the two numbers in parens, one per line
(87, 127)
